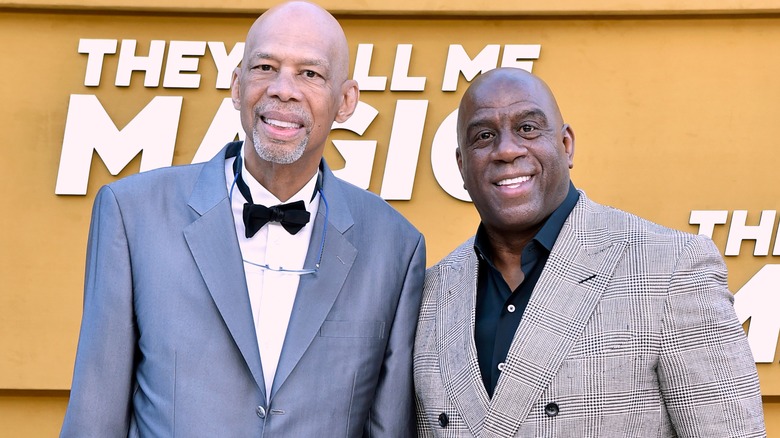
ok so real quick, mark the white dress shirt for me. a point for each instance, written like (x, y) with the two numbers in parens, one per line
(271, 293)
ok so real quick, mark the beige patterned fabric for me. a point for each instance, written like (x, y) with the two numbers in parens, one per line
(630, 332)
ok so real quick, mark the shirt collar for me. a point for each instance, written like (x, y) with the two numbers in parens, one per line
(549, 232)
(546, 235)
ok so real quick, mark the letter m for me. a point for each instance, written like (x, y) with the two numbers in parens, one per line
(758, 301)
(89, 128)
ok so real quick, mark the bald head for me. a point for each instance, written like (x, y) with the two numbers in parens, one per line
(504, 87)
(299, 17)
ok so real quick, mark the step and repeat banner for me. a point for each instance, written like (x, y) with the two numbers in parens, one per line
(674, 120)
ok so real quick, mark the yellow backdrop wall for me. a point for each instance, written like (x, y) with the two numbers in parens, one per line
(673, 107)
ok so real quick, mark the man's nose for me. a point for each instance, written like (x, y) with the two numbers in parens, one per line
(284, 86)
(509, 147)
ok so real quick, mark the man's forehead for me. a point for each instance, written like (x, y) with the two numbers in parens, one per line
(504, 108)
(503, 91)
(291, 48)
(508, 96)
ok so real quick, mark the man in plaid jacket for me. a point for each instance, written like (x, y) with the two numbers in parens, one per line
(565, 318)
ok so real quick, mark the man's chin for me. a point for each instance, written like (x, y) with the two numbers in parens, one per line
(280, 154)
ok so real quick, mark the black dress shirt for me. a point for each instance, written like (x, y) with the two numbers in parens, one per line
(500, 309)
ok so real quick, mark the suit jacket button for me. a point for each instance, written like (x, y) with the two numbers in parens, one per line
(443, 420)
(551, 409)
(260, 411)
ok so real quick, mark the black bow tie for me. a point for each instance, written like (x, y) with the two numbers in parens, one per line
(292, 216)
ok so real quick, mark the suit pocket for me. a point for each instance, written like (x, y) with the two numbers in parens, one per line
(352, 329)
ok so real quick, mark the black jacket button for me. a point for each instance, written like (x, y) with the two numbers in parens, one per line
(551, 409)
(444, 420)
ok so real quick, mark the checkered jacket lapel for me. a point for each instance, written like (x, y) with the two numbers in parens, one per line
(579, 267)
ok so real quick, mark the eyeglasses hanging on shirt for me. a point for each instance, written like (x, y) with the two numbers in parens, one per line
(293, 217)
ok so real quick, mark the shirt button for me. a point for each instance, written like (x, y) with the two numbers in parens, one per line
(260, 411)
(501, 366)
(551, 409)
(510, 308)
(444, 420)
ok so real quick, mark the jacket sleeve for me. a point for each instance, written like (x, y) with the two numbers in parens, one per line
(706, 370)
(103, 380)
(393, 411)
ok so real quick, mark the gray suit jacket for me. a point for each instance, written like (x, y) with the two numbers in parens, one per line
(168, 346)
(630, 331)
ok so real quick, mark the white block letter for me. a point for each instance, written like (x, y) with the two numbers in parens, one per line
(759, 300)
(177, 63)
(88, 128)
(516, 55)
(225, 63)
(443, 161)
(362, 65)
(151, 65)
(224, 128)
(96, 50)
(404, 149)
(458, 61)
(762, 233)
(707, 219)
(401, 80)
(358, 154)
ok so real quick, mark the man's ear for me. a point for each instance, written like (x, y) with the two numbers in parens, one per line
(568, 143)
(235, 92)
(350, 94)
(459, 159)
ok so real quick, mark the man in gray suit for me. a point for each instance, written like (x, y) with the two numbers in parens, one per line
(209, 314)
(565, 318)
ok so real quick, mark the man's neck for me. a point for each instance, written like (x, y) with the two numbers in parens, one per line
(506, 253)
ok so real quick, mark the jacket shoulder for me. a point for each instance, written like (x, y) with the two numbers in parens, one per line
(456, 258)
(591, 217)
(156, 180)
(371, 210)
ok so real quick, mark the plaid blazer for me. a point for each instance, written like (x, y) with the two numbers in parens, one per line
(630, 331)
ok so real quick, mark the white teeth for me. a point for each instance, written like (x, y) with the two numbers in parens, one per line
(282, 124)
(510, 181)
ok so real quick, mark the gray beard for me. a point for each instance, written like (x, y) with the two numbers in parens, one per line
(277, 153)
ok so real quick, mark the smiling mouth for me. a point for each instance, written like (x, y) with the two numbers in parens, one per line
(281, 123)
(513, 181)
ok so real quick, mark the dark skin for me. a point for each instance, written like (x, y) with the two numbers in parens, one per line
(514, 154)
(291, 85)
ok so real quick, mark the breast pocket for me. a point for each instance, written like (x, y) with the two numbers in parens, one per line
(353, 329)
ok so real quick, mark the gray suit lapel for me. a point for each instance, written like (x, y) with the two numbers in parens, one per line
(577, 272)
(455, 330)
(214, 246)
(317, 292)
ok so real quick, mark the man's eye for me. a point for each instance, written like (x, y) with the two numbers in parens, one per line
(527, 128)
(484, 135)
(310, 74)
